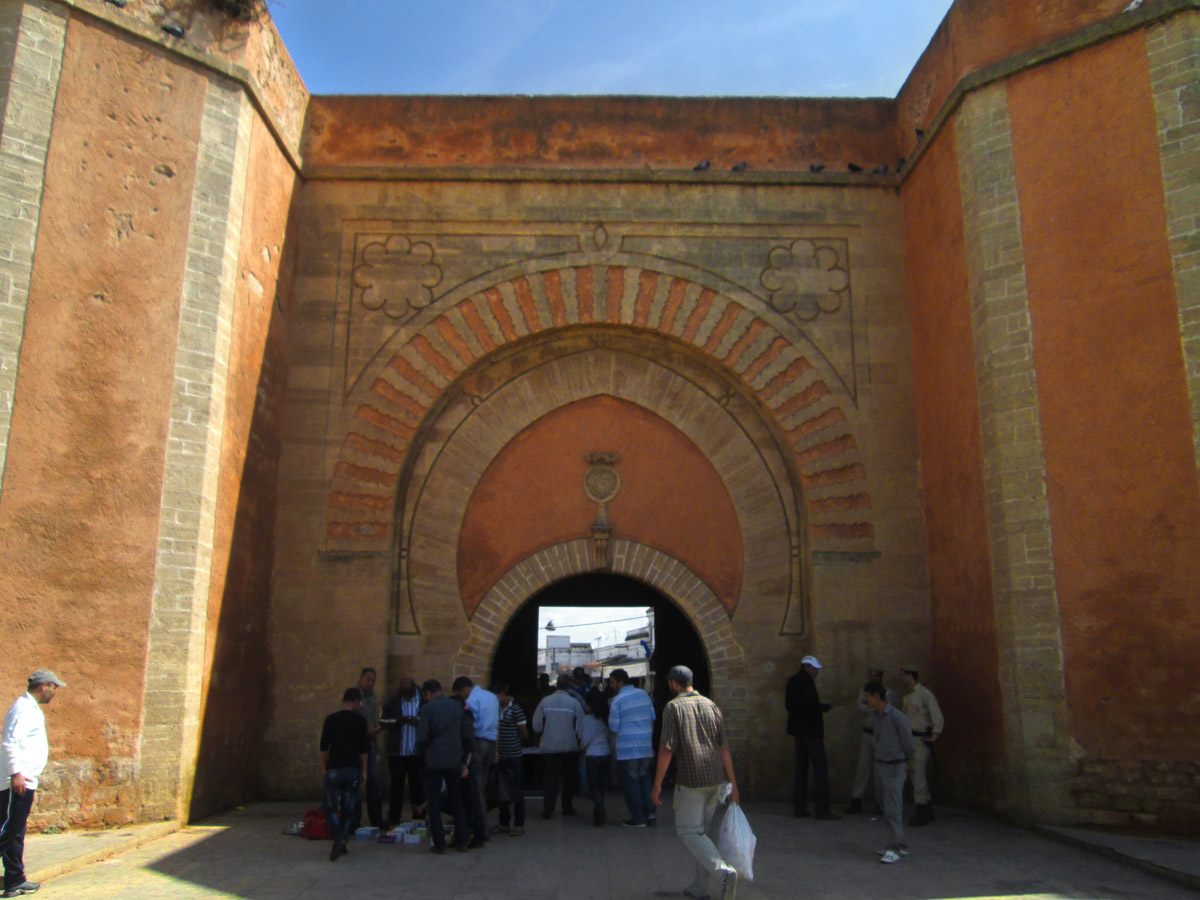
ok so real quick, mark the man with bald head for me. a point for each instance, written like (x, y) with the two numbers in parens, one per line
(400, 714)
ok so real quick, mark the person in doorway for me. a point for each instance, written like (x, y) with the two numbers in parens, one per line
(693, 735)
(24, 752)
(369, 710)
(344, 742)
(581, 685)
(403, 710)
(894, 752)
(864, 771)
(443, 732)
(559, 720)
(597, 753)
(923, 711)
(631, 718)
(485, 710)
(806, 723)
(512, 735)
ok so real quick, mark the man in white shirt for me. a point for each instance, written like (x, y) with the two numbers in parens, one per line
(24, 750)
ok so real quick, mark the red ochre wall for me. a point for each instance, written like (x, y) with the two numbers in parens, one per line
(531, 496)
(978, 33)
(965, 659)
(1122, 484)
(79, 513)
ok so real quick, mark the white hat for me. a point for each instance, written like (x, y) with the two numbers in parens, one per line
(811, 661)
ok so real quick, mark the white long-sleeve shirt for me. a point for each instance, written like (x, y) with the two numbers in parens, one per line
(24, 746)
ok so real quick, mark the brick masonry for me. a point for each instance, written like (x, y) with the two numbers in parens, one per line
(646, 564)
(1135, 793)
(1027, 614)
(170, 723)
(1174, 58)
(32, 37)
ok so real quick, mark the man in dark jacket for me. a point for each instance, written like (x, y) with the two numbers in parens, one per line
(806, 722)
(442, 730)
(344, 743)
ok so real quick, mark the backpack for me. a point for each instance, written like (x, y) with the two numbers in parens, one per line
(315, 828)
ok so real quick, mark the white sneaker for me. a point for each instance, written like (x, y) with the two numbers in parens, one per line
(889, 856)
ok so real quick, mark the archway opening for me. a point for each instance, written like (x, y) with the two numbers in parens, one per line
(675, 640)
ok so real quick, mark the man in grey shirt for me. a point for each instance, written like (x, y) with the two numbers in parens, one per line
(894, 753)
(559, 720)
(368, 708)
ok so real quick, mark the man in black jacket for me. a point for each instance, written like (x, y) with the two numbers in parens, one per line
(806, 722)
(344, 743)
(442, 733)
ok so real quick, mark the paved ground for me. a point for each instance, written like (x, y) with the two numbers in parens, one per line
(245, 855)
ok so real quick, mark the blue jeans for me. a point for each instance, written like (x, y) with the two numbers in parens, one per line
(341, 801)
(510, 773)
(637, 781)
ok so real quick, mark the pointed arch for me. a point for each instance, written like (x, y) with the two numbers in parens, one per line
(772, 366)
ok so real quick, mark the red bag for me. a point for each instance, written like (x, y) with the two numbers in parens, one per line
(315, 828)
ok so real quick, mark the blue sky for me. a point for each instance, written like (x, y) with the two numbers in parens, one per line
(813, 48)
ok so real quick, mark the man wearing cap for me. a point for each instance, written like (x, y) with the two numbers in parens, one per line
(806, 722)
(693, 735)
(923, 712)
(25, 751)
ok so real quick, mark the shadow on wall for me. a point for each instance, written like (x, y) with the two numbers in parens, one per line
(237, 702)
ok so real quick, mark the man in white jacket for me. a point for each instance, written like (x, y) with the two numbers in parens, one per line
(24, 750)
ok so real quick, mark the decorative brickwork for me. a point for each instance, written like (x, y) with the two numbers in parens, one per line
(438, 498)
(1174, 52)
(1027, 614)
(31, 48)
(170, 722)
(726, 658)
(792, 387)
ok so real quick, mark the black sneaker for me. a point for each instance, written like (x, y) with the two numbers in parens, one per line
(650, 821)
(629, 823)
(25, 887)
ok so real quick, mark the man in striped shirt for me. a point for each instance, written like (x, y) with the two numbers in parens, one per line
(694, 736)
(510, 762)
(403, 710)
(631, 719)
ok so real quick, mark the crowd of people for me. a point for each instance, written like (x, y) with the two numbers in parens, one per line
(452, 750)
(460, 753)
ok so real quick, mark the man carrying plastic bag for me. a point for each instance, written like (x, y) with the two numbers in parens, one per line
(693, 734)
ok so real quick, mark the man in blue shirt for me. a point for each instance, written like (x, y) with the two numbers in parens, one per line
(631, 719)
(484, 706)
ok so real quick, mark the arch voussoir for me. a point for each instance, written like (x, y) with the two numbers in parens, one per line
(818, 431)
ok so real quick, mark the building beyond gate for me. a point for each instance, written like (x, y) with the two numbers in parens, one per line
(296, 384)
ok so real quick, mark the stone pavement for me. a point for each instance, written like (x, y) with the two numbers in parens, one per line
(243, 854)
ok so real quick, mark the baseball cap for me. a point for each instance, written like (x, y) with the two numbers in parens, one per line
(45, 676)
(811, 661)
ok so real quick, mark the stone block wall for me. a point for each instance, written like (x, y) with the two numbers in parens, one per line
(122, 406)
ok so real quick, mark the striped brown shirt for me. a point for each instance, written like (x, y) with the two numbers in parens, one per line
(694, 731)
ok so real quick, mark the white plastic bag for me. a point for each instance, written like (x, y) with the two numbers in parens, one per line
(736, 841)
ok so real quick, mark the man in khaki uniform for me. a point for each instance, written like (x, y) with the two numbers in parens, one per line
(923, 712)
